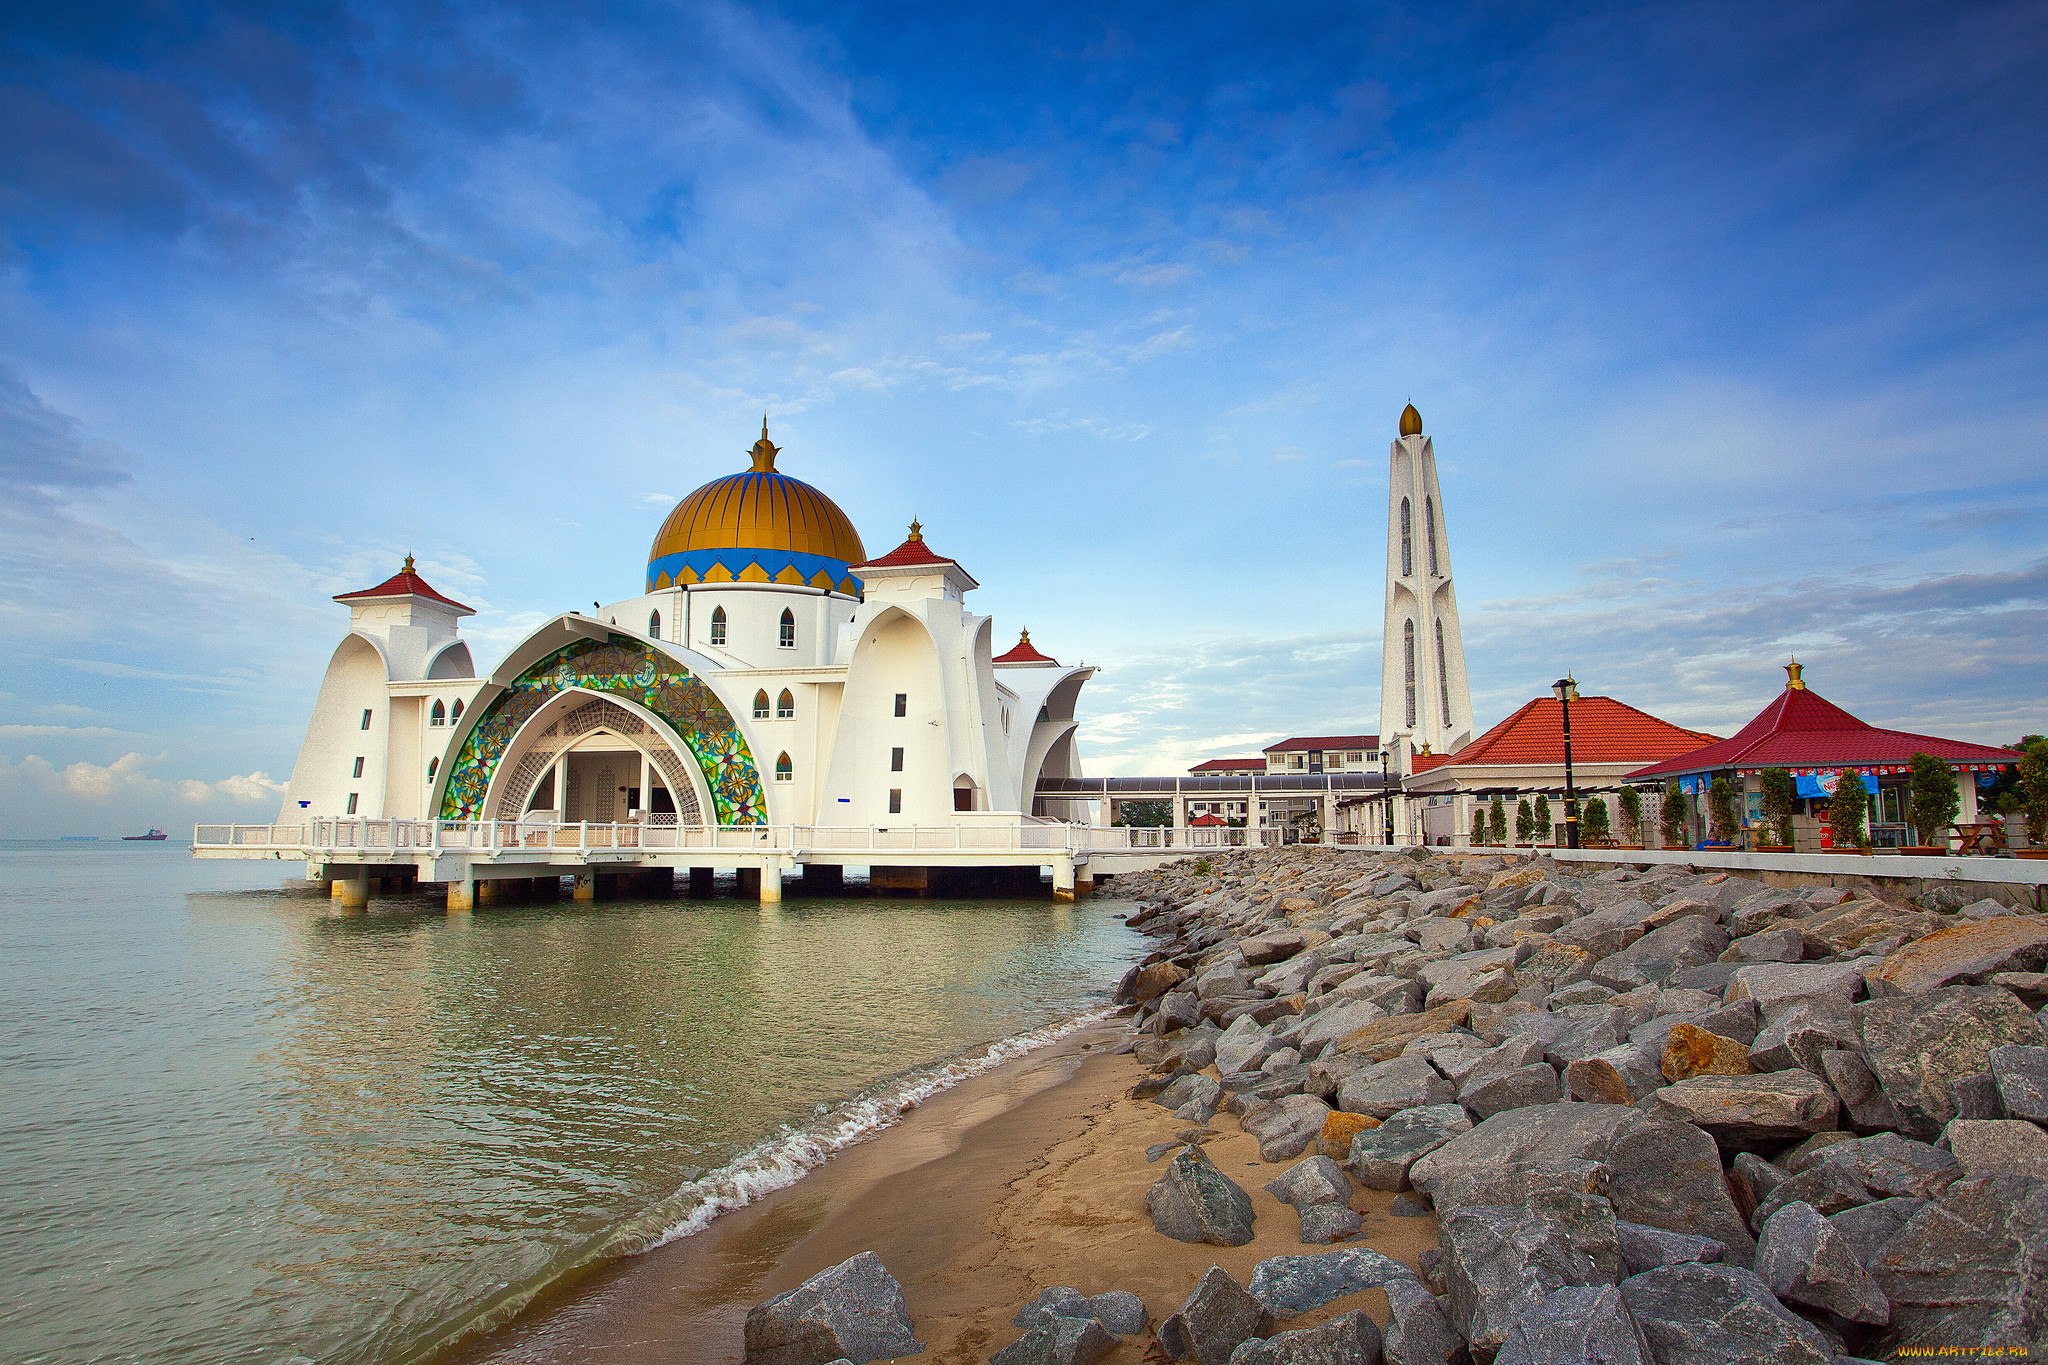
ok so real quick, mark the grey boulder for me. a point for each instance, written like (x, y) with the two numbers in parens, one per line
(2021, 1074)
(1387, 1088)
(853, 1311)
(1061, 1341)
(1969, 1271)
(1657, 955)
(1917, 1044)
(1193, 1096)
(1805, 1259)
(1291, 1285)
(1776, 987)
(1490, 1095)
(1646, 1248)
(1285, 1127)
(1347, 1340)
(1695, 1314)
(1381, 1157)
(1121, 1311)
(1214, 1321)
(1869, 1226)
(1322, 1224)
(1418, 1331)
(1318, 1180)
(1498, 1260)
(1998, 1147)
(1801, 1035)
(1749, 1111)
(1581, 1325)
(1864, 1099)
(1195, 1202)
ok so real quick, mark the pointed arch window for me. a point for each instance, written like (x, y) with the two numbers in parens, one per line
(785, 706)
(1443, 675)
(455, 714)
(439, 715)
(1429, 531)
(1407, 546)
(654, 624)
(761, 704)
(433, 766)
(787, 636)
(1408, 660)
(718, 625)
(784, 770)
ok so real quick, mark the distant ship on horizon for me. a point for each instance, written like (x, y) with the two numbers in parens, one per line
(152, 837)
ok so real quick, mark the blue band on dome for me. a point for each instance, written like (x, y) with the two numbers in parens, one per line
(737, 561)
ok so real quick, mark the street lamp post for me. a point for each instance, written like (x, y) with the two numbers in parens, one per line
(1386, 798)
(1566, 691)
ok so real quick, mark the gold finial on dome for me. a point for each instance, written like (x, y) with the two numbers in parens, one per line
(408, 564)
(764, 450)
(1025, 638)
(1411, 421)
(1793, 681)
(916, 531)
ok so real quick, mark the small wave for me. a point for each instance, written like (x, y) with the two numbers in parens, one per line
(781, 1161)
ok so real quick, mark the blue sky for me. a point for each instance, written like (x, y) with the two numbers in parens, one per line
(1727, 322)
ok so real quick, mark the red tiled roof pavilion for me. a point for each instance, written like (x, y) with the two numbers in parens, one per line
(405, 583)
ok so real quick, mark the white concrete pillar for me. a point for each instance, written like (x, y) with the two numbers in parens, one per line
(1063, 880)
(1180, 809)
(351, 892)
(771, 882)
(562, 787)
(1329, 818)
(461, 895)
(586, 886)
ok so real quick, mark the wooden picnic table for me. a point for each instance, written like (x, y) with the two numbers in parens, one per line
(1980, 837)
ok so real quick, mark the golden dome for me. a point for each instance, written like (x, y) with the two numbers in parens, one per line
(759, 526)
(1411, 421)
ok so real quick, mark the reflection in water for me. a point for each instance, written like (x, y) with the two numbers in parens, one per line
(249, 1127)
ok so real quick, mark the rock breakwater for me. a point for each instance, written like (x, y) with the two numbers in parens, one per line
(1659, 1115)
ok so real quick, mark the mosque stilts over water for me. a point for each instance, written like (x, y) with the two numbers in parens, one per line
(770, 675)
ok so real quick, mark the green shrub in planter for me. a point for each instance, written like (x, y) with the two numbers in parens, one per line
(1935, 799)
(1593, 819)
(1525, 821)
(1781, 799)
(1544, 829)
(1671, 817)
(2033, 793)
(1478, 824)
(1846, 810)
(1721, 822)
(1630, 803)
(1497, 822)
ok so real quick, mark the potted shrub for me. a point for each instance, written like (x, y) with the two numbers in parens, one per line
(1934, 801)
(1497, 822)
(1544, 830)
(1478, 826)
(2033, 798)
(1671, 818)
(1593, 824)
(1781, 799)
(1721, 822)
(1525, 821)
(1630, 803)
(1846, 810)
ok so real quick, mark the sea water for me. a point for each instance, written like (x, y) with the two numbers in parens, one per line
(237, 1124)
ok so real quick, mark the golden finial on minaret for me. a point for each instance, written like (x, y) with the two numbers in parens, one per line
(764, 450)
(1411, 421)
(1025, 638)
(408, 564)
(916, 531)
(1793, 681)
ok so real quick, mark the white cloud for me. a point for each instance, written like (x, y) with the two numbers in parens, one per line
(130, 776)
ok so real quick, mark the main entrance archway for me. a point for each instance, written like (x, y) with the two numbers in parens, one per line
(576, 721)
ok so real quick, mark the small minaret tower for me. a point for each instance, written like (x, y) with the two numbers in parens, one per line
(1424, 699)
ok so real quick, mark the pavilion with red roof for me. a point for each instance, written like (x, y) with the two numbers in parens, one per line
(1524, 755)
(1817, 742)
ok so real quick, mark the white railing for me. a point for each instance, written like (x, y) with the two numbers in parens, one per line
(327, 835)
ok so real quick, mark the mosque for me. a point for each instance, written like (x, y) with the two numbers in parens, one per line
(769, 673)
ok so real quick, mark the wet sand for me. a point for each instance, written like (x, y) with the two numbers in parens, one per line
(1031, 1175)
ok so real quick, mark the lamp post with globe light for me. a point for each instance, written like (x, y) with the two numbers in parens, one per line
(1567, 691)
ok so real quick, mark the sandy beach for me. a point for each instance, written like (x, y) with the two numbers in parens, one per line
(1031, 1175)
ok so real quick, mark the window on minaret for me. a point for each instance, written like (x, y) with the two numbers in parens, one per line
(455, 714)
(1443, 674)
(783, 770)
(1407, 547)
(788, 637)
(718, 625)
(1408, 653)
(761, 705)
(1429, 530)
(785, 706)
(439, 716)
(654, 625)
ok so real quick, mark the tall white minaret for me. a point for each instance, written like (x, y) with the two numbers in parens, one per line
(1424, 700)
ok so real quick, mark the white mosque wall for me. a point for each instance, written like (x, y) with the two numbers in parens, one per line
(325, 776)
(1421, 597)
(893, 654)
(753, 621)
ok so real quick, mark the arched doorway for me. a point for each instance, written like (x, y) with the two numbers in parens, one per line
(588, 757)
